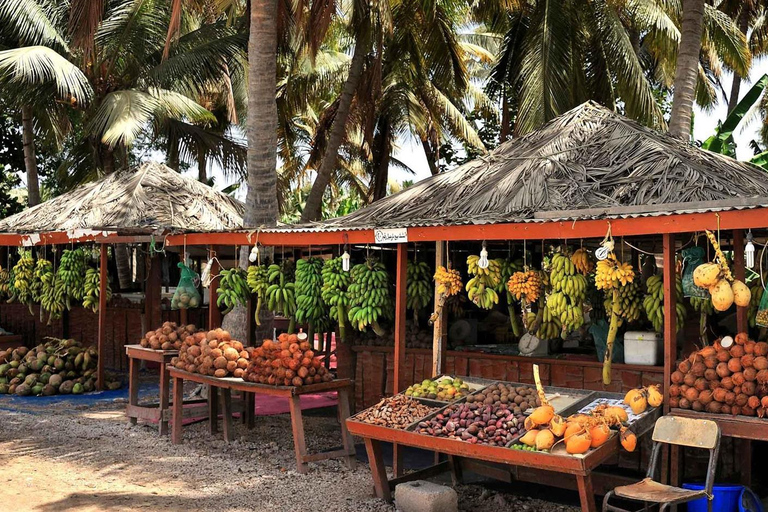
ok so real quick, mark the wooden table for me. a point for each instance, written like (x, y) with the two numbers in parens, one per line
(10, 341)
(250, 390)
(158, 412)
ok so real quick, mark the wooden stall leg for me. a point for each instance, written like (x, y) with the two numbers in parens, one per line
(674, 466)
(250, 410)
(455, 464)
(213, 409)
(745, 461)
(349, 444)
(178, 409)
(378, 471)
(226, 415)
(165, 378)
(397, 461)
(586, 493)
(133, 386)
(299, 443)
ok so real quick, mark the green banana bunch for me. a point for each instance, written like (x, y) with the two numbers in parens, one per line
(629, 301)
(258, 281)
(419, 288)
(704, 305)
(569, 311)
(233, 289)
(42, 267)
(53, 298)
(369, 295)
(93, 290)
(754, 301)
(71, 273)
(310, 306)
(481, 289)
(653, 303)
(280, 293)
(23, 276)
(334, 292)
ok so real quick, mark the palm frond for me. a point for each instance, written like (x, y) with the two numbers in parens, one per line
(27, 22)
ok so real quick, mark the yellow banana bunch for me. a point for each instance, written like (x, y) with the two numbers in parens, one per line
(23, 276)
(53, 297)
(258, 281)
(369, 295)
(93, 290)
(310, 306)
(481, 289)
(5, 284)
(448, 281)
(612, 273)
(653, 303)
(582, 260)
(493, 271)
(42, 267)
(335, 285)
(549, 325)
(233, 289)
(525, 285)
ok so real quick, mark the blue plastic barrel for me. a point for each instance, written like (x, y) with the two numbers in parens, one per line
(726, 498)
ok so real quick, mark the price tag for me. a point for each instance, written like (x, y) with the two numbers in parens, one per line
(390, 236)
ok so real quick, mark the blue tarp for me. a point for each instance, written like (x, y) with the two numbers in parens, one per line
(20, 403)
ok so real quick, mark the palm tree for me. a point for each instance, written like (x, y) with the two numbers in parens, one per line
(686, 73)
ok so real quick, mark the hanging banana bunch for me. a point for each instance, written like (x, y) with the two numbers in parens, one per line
(369, 295)
(754, 300)
(544, 324)
(583, 262)
(448, 284)
(53, 297)
(334, 292)
(526, 285)
(310, 307)
(703, 305)
(611, 276)
(5, 284)
(42, 267)
(481, 289)
(280, 293)
(653, 303)
(233, 289)
(71, 273)
(509, 267)
(569, 292)
(418, 291)
(258, 281)
(630, 302)
(93, 290)
(23, 277)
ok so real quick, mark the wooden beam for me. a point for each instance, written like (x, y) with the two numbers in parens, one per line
(438, 338)
(739, 271)
(670, 335)
(214, 315)
(400, 289)
(103, 281)
(294, 239)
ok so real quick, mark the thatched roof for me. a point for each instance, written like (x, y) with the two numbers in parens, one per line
(586, 159)
(148, 199)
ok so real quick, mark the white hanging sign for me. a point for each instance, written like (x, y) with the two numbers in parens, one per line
(390, 235)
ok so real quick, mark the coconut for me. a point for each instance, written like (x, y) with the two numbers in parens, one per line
(750, 374)
(727, 383)
(710, 374)
(677, 376)
(734, 365)
(674, 390)
(722, 370)
(760, 363)
(761, 349)
(737, 351)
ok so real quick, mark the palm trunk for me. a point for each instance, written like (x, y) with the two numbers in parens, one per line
(431, 157)
(202, 166)
(122, 260)
(506, 127)
(173, 154)
(733, 99)
(30, 160)
(313, 208)
(687, 70)
(382, 157)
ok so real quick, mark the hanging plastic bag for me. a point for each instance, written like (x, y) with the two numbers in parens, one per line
(692, 258)
(761, 318)
(186, 295)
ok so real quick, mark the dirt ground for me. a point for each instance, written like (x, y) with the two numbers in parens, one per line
(91, 459)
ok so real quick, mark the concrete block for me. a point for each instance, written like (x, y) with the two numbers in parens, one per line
(423, 496)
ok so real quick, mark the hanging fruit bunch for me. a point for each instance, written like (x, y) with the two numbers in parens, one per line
(611, 276)
(258, 282)
(93, 290)
(369, 295)
(418, 291)
(310, 307)
(448, 283)
(569, 292)
(717, 278)
(23, 277)
(543, 324)
(653, 303)
(334, 292)
(481, 288)
(703, 306)
(233, 289)
(509, 267)
(756, 295)
(42, 267)
(583, 262)
(525, 285)
(280, 294)
(5, 284)
(71, 274)
(53, 298)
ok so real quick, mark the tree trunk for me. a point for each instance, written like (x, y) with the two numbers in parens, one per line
(202, 166)
(313, 208)
(30, 161)
(382, 157)
(172, 160)
(733, 99)
(506, 125)
(687, 70)
(122, 260)
(431, 157)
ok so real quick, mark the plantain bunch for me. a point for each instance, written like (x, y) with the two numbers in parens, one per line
(258, 281)
(93, 290)
(42, 267)
(653, 302)
(280, 294)
(23, 277)
(310, 306)
(334, 292)
(71, 273)
(418, 290)
(233, 289)
(369, 295)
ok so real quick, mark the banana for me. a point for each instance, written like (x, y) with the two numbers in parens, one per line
(369, 296)
(71, 275)
(419, 289)
(653, 302)
(280, 295)
(92, 289)
(233, 289)
(258, 281)
(310, 306)
(23, 278)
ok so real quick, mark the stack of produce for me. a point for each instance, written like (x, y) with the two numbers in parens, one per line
(475, 423)
(729, 377)
(258, 282)
(54, 367)
(398, 412)
(168, 336)
(519, 399)
(418, 291)
(334, 292)
(213, 353)
(369, 295)
(717, 278)
(569, 292)
(310, 306)
(446, 389)
(233, 289)
(287, 362)
(653, 303)
(481, 288)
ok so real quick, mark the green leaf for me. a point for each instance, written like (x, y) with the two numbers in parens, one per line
(718, 142)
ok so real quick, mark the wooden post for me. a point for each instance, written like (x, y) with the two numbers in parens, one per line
(214, 315)
(102, 317)
(400, 289)
(438, 334)
(670, 329)
(739, 273)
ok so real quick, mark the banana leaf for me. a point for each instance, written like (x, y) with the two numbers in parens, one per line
(722, 141)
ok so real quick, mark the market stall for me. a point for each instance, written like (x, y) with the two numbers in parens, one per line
(590, 182)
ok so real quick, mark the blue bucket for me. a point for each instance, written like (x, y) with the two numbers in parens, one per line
(726, 498)
(749, 502)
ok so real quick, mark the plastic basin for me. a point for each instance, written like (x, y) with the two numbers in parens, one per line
(726, 498)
